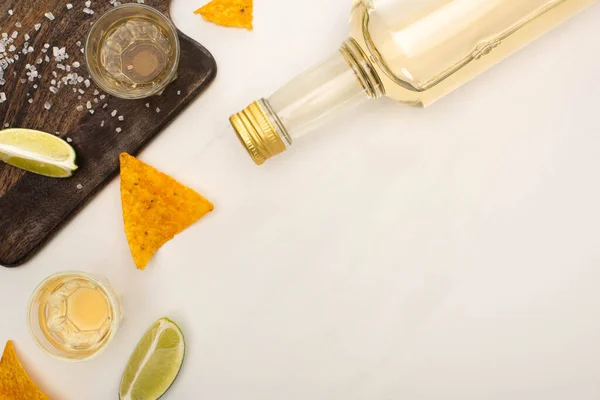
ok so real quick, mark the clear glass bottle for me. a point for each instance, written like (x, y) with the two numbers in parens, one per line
(413, 51)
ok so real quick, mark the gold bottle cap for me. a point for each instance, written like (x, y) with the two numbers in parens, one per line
(257, 133)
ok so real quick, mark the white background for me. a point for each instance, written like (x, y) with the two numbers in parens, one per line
(446, 253)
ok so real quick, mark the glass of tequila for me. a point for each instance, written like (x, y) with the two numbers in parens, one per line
(73, 315)
(133, 51)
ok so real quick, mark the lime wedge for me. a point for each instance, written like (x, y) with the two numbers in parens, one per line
(155, 362)
(38, 152)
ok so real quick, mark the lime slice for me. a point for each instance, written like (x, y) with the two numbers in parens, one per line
(155, 362)
(38, 152)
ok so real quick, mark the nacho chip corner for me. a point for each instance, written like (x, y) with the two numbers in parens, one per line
(232, 13)
(15, 384)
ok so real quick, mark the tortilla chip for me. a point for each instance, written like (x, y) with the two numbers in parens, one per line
(235, 13)
(155, 208)
(15, 384)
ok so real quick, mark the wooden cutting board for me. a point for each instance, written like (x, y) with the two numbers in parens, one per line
(32, 207)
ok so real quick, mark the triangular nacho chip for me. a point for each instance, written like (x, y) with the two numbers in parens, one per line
(155, 208)
(15, 384)
(235, 13)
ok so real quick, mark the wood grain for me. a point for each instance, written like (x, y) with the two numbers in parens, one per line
(32, 207)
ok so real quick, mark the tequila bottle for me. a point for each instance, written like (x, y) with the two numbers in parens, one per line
(413, 51)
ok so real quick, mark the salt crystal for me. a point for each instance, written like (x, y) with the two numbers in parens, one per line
(105, 105)
(179, 93)
(10, 12)
(69, 6)
(30, 101)
(87, 83)
(81, 91)
(69, 140)
(47, 106)
(2, 97)
(6, 125)
(79, 186)
(91, 111)
(102, 97)
(79, 108)
(147, 105)
(76, 64)
(78, 43)
(14, 35)
(96, 92)
(18, 25)
(121, 118)
(50, 16)
(102, 123)
(114, 113)
(37, 27)
(27, 37)
(88, 11)
(157, 109)
(118, 130)
(35, 86)
(53, 89)
(88, 3)
(88, 105)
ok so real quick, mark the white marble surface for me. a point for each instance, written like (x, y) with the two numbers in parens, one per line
(447, 253)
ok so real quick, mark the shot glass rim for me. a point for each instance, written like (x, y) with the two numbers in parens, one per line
(114, 303)
(159, 88)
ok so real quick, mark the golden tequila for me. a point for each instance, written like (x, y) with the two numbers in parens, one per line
(133, 51)
(73, 315)
(413, 51)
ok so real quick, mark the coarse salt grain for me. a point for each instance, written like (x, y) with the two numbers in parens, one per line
(118, 130)
(69, 140)
(79, 186)
(114, 113)
(47, 106)
(50, 16)
(69, 6)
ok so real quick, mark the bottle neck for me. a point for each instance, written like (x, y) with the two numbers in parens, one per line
(343, 80)
(339, 82)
